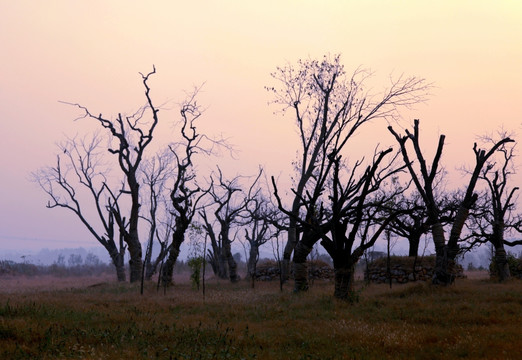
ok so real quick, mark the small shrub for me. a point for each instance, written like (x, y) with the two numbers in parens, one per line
(196, 264)
(514, 263)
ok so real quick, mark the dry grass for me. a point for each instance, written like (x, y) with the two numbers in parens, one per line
(473, 319)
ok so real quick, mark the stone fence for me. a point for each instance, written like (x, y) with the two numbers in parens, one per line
(404, 269)
(401, 270)
(269, 271)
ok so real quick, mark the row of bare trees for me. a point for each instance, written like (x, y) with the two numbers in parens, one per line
(346, 206)
(161, 191)
(343, 204)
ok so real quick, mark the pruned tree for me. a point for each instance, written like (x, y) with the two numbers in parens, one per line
(131, 136)
(495, 216)
(423, 178)
(79, 175)
(329, 107)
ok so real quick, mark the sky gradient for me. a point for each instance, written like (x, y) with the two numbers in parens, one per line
(91, 52)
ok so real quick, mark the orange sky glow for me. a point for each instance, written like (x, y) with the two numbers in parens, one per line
(91, 52)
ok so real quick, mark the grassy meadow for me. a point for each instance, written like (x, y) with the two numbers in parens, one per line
(97, 318)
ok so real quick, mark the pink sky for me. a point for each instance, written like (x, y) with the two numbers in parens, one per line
(91, 52)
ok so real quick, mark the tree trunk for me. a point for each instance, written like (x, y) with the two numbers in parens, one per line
(344, 279)
(289, 248)
(117, 260)
(414, 241)
(152, 267)
(445, 267)
(252, 260)
(301, 252)
(232, 265)
(502, 264)
(441, 275)
(168, 268)
(119, 264)
(147, 261)
(222, 271)
(131, 237)
(135, 252)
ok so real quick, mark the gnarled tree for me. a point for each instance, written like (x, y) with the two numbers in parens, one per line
(131, 136)
(185, 194)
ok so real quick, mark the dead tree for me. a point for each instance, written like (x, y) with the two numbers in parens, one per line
(329, 108)
(79, 168)
(131, 134)
(446, 252)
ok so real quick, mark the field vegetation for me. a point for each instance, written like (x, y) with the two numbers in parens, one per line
(43, 317)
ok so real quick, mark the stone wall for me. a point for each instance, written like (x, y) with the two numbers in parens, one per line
(404, 269)
(269, 270)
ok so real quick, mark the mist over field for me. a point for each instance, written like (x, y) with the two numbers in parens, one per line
(479, 258)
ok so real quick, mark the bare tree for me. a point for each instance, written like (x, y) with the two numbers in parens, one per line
(262, 225)
(132, 135)
(329, 108)
(79, 168)
(424, 183)
(495, 215)
(348, 222)
(185, 194)
(412, 223)
(230, 203)
(155, 174)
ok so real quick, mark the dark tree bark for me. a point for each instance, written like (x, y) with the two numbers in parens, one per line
(178, 237)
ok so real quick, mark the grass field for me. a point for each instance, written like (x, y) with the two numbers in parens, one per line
(96, 318)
